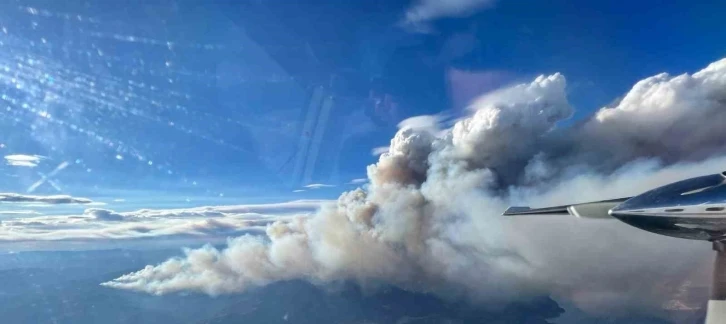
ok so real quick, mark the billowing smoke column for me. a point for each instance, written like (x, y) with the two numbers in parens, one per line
(429, 220)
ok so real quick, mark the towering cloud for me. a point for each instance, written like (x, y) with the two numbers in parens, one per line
(673, 118)
(429, 219)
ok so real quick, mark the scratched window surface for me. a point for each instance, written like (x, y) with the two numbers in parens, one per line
(110, 100)
(139, 97)
(275, 161)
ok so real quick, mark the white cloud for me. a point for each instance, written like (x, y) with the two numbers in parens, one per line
(19, 212)
(279, 209)
(379, 150)
(60, 230)
(54, 199)
(436, 125)
(102, 225)
(318, 186)
(23, 160)
(430, 218)
(426, 10)
(103, 214)
(676, 117)
(425, 122)
(27, 164)
(358, 181)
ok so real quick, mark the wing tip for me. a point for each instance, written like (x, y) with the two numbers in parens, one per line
(516, 210)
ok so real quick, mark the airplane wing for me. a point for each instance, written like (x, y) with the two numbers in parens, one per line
(595, 209)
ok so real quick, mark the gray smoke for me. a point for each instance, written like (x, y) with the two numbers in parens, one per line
(430, 218)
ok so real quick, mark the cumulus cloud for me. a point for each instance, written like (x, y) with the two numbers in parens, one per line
(683, 115)
(430, 218)
(54, 199)
(23, 160)
(426, 10)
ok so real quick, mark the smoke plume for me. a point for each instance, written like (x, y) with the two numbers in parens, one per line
(429, 220)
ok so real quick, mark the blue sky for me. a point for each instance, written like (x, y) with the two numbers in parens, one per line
(195, 104)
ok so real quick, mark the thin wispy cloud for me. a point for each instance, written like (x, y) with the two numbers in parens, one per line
(283, 208)
(379, 150)
(425, 122)
(54, 199)
(318, 186)
(358, 181)
(19, 212)
(424, 11)
(23, 160)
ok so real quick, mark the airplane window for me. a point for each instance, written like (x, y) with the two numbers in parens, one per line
(349, 161)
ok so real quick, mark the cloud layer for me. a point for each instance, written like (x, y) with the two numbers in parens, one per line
(55, 199)
(429, 219)
(100, 225)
